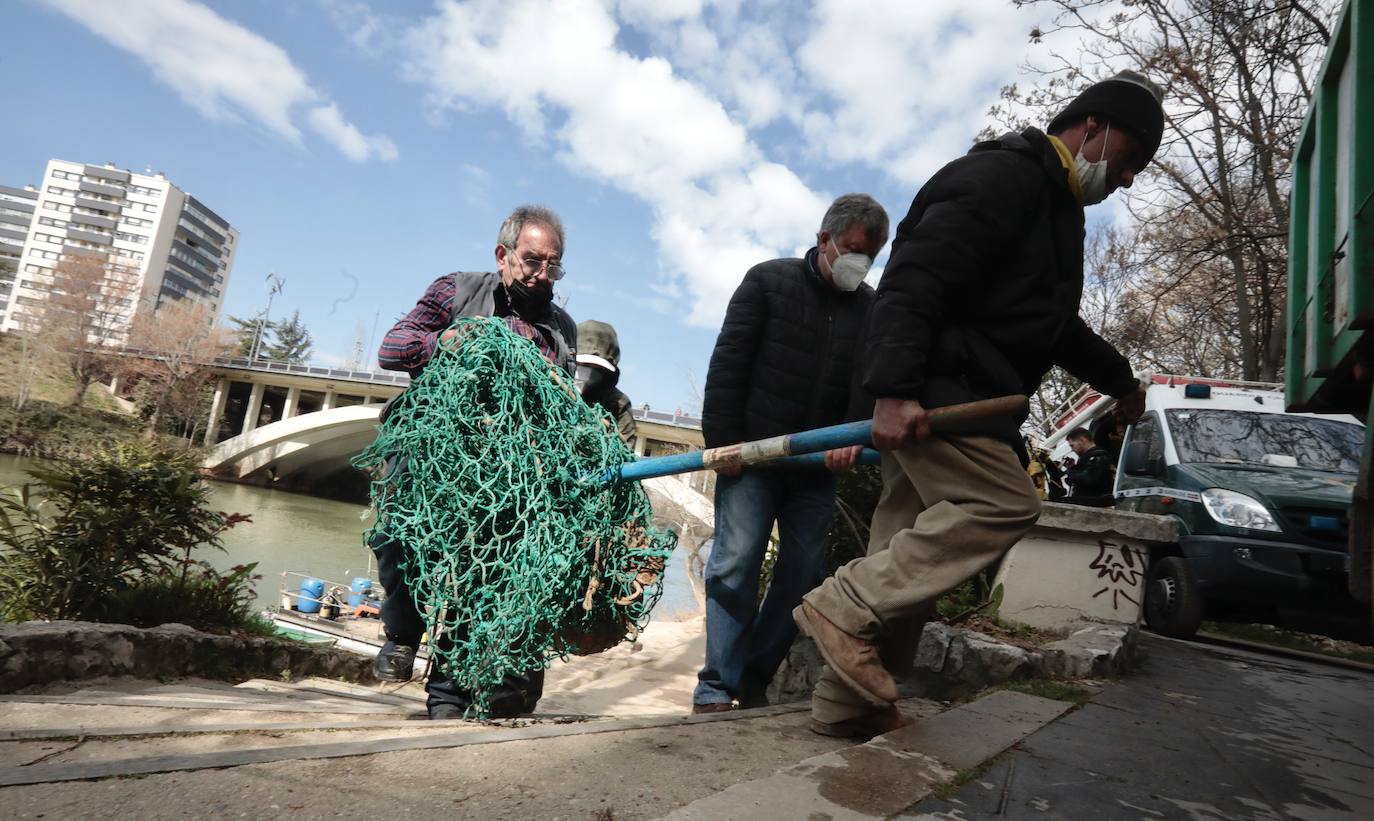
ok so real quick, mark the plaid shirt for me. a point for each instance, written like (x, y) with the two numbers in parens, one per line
(410, 343)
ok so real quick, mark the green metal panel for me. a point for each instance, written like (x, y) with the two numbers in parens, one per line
(1331, 239)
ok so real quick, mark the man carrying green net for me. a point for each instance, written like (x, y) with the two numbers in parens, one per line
(497, 532)
(520, 293)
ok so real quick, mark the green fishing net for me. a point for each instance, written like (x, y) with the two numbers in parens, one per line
(490, 470)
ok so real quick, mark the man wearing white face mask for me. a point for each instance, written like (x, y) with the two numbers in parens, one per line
(979, 299)
(784, 362)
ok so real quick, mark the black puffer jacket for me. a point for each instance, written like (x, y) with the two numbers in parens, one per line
(784, 359)
(980, 295)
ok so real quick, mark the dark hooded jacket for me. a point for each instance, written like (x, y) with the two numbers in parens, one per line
(784, 359)
(980, 294)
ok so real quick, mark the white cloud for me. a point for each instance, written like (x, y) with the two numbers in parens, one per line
(719, 205)
(222, 69)
(330, 124)
(694, 106)
(907, 86)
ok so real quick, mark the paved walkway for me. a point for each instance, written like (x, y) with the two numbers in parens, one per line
(1199, 733)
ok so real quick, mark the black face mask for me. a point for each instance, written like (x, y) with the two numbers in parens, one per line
(598, 384)
(529, 300)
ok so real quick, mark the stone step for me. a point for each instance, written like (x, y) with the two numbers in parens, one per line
(204, 701)
(409, 691)
(888, 774)
(59, 732)
(257, 695)
(329, 694)
(523, 729)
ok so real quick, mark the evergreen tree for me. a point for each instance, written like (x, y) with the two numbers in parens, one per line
(245, 332)
(291, 341)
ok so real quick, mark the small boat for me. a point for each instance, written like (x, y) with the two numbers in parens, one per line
(331, 614)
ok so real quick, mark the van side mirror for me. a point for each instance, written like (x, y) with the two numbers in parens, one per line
(1137, 462)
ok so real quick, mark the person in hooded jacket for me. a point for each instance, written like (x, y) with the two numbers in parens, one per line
(529, 251)
(978, 299)
(598, 374)
(783, 363)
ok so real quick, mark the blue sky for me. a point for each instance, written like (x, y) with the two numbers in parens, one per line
(364, 149)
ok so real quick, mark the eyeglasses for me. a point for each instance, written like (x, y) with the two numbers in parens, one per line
(533, 265)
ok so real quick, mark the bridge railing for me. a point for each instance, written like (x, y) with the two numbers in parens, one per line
(383, 377)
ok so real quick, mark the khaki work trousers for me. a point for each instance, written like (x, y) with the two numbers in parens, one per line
(950, 506)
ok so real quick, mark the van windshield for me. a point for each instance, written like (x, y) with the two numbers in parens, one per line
(1271, 439)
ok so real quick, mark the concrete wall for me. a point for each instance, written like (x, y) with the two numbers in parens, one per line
(1081, 563)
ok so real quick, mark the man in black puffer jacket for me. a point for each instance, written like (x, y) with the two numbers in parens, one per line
(783, 363)
(979, 299)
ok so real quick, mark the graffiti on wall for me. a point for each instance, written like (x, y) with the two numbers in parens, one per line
(1121, 567)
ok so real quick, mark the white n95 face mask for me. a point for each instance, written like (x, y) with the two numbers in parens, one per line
(1092, 176)
(848, 270)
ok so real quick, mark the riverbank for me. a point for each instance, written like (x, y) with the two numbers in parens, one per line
(46, 426)
(46, 430)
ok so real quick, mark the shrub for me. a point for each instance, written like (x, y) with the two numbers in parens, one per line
(200, 597)
(50, 431)
(88, 530)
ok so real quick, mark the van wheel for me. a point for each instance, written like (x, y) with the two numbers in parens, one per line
(1173, 605)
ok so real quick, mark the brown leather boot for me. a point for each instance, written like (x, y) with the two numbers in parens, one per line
(853, 659)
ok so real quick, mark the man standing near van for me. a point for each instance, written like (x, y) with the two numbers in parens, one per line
(979, 299)
(1091, 475)
(783, 363)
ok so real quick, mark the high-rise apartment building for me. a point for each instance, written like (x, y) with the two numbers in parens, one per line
(16, 214)
(169, 245)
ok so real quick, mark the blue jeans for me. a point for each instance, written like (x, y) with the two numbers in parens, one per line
(746, 643)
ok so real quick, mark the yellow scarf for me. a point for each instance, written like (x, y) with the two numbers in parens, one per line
(1067, 159)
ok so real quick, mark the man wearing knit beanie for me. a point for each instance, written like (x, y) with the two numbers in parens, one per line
(979, 299)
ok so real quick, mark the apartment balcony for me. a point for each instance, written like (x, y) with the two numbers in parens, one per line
(98, 205)
(91, 219)
(104, 190)
(87, 236)
(209, 233)
(73, 250)
(103, 173)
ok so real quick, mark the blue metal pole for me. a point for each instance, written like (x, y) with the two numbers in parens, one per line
(750, 453)
(793, 445)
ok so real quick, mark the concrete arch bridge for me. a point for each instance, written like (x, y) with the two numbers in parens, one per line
(297, 427)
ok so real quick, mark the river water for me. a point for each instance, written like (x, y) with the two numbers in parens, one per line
(295, 532)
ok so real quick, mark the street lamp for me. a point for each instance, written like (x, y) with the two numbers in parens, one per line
(274, 287)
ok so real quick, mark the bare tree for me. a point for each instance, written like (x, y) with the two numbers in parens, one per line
(90, 303)
(180, 342)
(1212, 210)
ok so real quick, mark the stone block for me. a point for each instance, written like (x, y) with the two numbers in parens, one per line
(38, 653)
(1091, 650)
(797, 676)
(1078, 564)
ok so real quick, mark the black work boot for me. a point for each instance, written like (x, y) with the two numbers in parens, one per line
(443, 711)
(394, 662)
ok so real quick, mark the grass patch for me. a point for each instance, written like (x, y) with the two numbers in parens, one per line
(1292, 640)
(1055, 690)
(967, 776)
(1020, 635)
(47, 426)
(52, 385)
